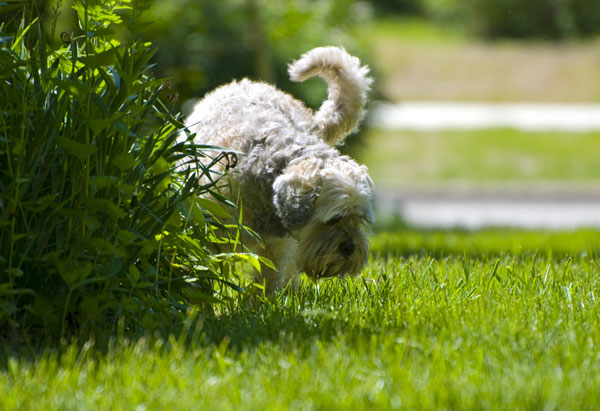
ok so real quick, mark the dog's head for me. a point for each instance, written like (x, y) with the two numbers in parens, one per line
(327, 206)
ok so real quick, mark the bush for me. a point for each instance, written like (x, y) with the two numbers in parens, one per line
(384, 7)
(205, 43)
(103, 213)
(556, 19)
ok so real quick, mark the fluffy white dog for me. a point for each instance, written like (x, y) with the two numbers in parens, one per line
(310, 204)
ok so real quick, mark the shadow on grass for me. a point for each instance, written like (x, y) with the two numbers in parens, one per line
(313, 312)
(310, 313)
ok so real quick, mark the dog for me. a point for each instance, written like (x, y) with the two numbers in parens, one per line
(310, 205)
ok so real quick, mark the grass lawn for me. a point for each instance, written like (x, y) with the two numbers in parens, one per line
(495, 319)
(400, 158)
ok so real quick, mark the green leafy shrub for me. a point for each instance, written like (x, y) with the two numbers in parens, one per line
(205, 43)
(383, 7)
(537, 18)
(519, 19)
(104, 218)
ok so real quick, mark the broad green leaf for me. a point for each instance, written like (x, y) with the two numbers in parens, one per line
(134, 273)
(174, 219)
(149, 322)
(197, 296)
(44, 202)
(73, 272)
(127, 237)
(267, 262)
(254, 262)
(164, 184)
(193, 212)
(101, 182)
(89, 305)
(213, 207)
(18, 148)
(105, 206)
(123, 161)
(6, 288)
(79, 150)
(160, 166)
(104, 58)
(75, 88)
(7, 308)
(97, 125)
(104, 247)
(198, 216)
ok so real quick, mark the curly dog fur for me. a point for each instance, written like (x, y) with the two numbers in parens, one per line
(310, 204)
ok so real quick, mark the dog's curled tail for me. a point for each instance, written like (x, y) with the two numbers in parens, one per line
(348, 84)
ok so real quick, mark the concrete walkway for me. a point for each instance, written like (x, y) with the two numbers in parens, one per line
(541, 206)
(428, 116)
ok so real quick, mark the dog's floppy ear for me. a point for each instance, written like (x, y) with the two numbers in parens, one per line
(294, 199)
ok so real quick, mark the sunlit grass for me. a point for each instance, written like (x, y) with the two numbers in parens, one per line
(491, 242)
(400, 158)
(472, 320)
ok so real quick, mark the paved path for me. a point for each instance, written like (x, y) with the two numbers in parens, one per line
(472, 209)
(541, 206)
(471, 116)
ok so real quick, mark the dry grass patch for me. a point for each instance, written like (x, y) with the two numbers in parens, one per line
(433, 64)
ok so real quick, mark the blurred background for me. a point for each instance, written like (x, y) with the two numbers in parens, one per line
(494, 65)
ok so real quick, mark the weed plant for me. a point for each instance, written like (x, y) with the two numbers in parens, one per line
(104, 216)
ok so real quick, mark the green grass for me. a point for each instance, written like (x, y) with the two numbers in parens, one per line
(472, 320)
(397, 159)
(491, 242)
(413, 30)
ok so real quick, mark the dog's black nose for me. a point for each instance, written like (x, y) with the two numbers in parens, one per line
(347, 248)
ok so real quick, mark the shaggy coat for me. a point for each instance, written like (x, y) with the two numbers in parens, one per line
(309, 203)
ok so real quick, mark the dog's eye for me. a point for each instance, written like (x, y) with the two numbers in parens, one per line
(334, 220)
